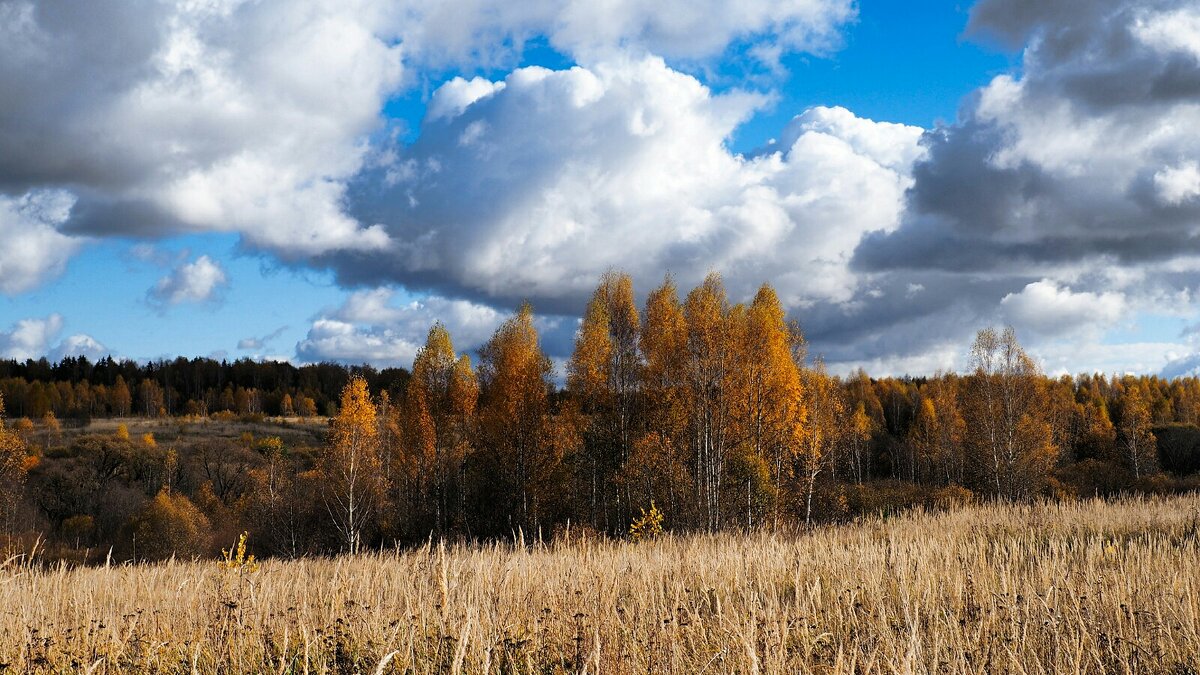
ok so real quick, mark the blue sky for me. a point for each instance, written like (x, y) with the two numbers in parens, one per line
(295, 187)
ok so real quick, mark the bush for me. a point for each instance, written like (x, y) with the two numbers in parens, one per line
(1095, 477)
(950, 497)
(885, 497)
(171, 525)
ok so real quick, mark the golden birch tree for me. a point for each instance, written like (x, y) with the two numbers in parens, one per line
(1139, 450)
(353, 484)
(515, 429)
(602, 377)
(708, 365)
(1010, 441)
(663, 448)
(13, 471)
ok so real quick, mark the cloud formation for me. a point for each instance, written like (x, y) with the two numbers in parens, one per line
(190, 282)
(1069, 187)
(369, 328)
(532, 187)
(31, 249)
(164, 118)
(34, 338)
(1065, 197)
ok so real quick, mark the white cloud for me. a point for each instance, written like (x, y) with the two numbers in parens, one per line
(480, 30)
(1050, 309)
(1178, 184)
(193, 282)
(32, 250)
(895, 146)
(245, 117)
(368, 328)
(535, 190)
(332, 340)
(33, 339)
(30, 338)
(79, 345)
(254, 117)
(1175, 30)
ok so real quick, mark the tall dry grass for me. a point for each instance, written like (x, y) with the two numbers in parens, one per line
(1061, 588)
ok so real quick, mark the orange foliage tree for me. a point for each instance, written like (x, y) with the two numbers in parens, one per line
(353, 483)
(1009, 441)
(517, 436)
(603, 379)
(13, 470)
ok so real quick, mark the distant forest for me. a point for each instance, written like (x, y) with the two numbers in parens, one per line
(77, 389)
(686, 414)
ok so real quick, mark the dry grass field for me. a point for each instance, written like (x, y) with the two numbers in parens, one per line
(1088, 587)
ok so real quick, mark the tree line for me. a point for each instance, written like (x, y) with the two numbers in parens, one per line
(77, 389)
(707, 413)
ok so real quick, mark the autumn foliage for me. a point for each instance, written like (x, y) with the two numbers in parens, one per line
(707, 412)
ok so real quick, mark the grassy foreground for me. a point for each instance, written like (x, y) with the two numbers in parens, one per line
(1085, 587)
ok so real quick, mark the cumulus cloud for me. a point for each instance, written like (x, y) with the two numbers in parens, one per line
(197, 116)
(369, 328)
(1177, 184)
(1067, 187)
(32, 250)
(533, 189)
(191, 282)
(1049, 309)
(484, 31)
(34, 338)
(1066, 194)
(79, 344)
(250, 117)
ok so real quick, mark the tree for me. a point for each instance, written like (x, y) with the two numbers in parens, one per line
(1138, 446)
(286, 409)
(602, 378)
(825, 430)
(858, 442)
(515, 427)
(708, 366)
(171, 525)
(119, 399)
(768, 410)
(936, 434)
(350, 467)
(150, 398)
(1005, 406)
(661, 457)
(438, 425)
(13, 471)
(305, 406)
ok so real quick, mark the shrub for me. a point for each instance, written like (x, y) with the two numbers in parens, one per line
(171, 525)
(648, 526)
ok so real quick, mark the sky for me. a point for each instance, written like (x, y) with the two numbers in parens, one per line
(321, 180)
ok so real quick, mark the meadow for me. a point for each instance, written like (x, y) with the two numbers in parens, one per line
(1069, 587)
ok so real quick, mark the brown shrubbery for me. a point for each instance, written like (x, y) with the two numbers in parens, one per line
(171, 526)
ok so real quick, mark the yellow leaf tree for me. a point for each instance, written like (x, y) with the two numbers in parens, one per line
(13, 469)
(768, 410)
(517, 437)
(1009, 439)
(1139, 449)
(602, 378)
(824, 432)
(658, 467)
(439, 414)
(353, 483)
(709, 361)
